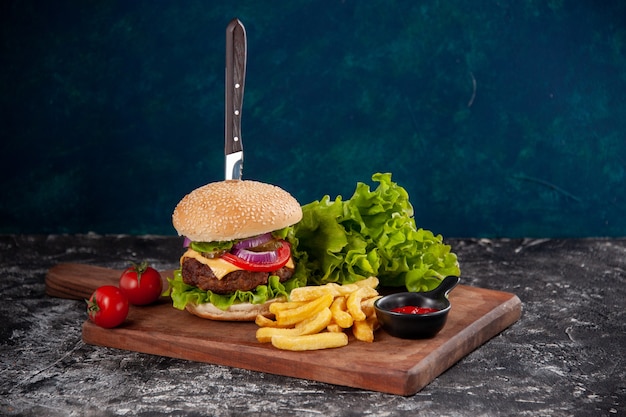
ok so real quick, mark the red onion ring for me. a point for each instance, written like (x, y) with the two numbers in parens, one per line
(252, 242)
(255, 257)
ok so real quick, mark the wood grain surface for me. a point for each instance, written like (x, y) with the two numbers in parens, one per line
(389, 364)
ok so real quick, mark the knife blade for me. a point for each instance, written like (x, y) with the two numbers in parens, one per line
(236, 55)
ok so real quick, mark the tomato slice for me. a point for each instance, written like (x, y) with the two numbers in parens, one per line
(283, 255)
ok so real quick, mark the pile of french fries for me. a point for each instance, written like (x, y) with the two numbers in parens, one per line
(317, 317)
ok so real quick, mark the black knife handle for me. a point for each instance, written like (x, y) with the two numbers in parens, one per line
(236, 53)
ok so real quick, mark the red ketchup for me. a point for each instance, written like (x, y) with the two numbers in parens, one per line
(414, 310)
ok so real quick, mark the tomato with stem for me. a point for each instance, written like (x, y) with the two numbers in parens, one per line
(141, 283)
(107, 307)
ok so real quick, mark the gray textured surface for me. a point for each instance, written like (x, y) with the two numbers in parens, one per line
(565, 356)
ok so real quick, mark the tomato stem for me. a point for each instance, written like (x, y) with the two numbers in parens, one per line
(139, 269)
(92, 305)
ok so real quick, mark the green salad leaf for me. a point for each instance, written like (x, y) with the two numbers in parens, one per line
(182, 294)
(371, 234)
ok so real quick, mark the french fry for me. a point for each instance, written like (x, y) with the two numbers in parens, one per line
(316, 323)
(312, 292)
(348, 289)
(334, 327)
(265, 334)
(340, 313)
(373, 322)
(316, 341)
(371, 282)
(310, 325)
(316, 316)
(294, 315)
(263, 321)
(368, 306)
(363, 330)
(354, 302)
(285, 305)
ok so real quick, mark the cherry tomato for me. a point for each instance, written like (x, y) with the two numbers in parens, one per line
(107, 307)
(283, 254)
(141, 284)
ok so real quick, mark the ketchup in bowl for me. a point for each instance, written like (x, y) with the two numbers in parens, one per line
(415, 315)
(414, 310)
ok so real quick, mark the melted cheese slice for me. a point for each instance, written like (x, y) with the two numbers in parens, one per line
(219, 266)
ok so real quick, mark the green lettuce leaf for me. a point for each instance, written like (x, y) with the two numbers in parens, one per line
(372, 233)
(182, 294)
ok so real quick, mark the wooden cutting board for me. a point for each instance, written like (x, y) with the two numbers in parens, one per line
(389, 364)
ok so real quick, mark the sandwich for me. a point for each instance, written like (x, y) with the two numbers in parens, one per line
(238, 256)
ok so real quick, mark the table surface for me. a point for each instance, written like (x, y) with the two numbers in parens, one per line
(565, 356)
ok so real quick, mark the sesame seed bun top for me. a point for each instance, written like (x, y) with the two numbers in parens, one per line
(234, 209)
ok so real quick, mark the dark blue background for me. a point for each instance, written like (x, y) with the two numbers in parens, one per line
(111, 111)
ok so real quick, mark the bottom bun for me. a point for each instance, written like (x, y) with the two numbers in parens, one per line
(236, 312)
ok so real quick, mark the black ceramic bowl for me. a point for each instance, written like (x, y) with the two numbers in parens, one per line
(416, 326)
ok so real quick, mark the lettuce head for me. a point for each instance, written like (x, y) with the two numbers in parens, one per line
(372, 234)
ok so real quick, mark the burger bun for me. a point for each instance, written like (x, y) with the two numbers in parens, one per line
(234, 209)
(236, 312)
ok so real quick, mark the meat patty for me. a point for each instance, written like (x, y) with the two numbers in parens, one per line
(200, 275)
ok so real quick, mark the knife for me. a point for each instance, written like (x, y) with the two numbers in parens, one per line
(236, 52)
